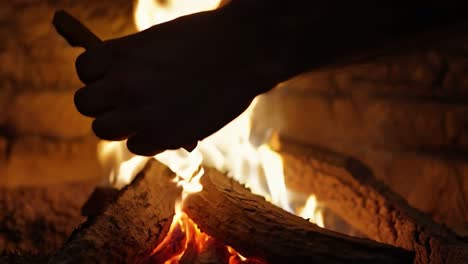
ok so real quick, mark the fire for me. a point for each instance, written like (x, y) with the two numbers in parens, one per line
(152, 12)
(228, 150)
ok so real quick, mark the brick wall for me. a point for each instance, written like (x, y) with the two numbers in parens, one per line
(405, 116)
(42, 137)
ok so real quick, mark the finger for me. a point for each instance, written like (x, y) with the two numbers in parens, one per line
(173, 134)
(97, 98)
(121, 122)
(184, 125)
(153, 141)
(151, 151)
(94, 63)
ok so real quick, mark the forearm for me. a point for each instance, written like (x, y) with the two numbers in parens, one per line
(304, 34)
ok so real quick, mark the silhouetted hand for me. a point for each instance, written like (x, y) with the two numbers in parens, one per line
(173, 84)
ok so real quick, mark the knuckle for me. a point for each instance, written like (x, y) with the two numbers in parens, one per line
(82, 65)
(107, 126)
(142, 146)
(80, 102)
(92, 64)
(99, 128)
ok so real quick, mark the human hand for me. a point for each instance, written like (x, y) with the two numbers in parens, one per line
(173, 84)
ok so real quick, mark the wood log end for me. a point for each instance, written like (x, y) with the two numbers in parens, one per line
(132, 226)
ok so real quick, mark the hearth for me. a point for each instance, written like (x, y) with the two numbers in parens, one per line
(361, 163)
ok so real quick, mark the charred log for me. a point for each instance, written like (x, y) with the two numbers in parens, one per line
(130, 227)
(227, 211)
(350, 190)
(101, 197)
(213, 252)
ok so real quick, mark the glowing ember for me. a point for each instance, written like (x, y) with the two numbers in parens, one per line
(229, 150)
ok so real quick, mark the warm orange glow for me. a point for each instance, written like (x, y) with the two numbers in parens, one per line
(228, 150)
(186, 243)
(182, 234)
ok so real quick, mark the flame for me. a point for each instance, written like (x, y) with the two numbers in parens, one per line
(152, 12)
(311, 211)
(228, 150)
(121, 164)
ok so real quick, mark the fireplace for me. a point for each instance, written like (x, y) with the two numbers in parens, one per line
(373, 151)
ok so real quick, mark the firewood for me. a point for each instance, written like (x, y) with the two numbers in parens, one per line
(212, 252)
(227, 211)
(101, 197)
(130, 227)
(349, 189)
(74, 31)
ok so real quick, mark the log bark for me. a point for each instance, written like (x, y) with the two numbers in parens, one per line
(349, 189)
(99, 199)
(129, 228)
(229, 212)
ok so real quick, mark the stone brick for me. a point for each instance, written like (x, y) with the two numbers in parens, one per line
(456, 126)
(435, 74)
(403, 125)
(346, 116)
(35, 161)
(434, 185)
(35, 56)
(378, 123)
(48, 114)
(456, 79)
(314, 82)
(6, 94)
(3, 149)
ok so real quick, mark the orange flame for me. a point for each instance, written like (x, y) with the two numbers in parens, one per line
(187, 244)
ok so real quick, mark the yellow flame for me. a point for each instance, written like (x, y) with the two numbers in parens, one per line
(187, 166)
(119, 162)
(312, 212)
(272, 165)
(152, 12)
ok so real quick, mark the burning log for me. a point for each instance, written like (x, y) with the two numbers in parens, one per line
(227, 211)
(349, 189)
(212, 252)
(130, 227)
(99, 199)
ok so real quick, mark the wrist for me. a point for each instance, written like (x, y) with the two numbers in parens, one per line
(255, 26)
